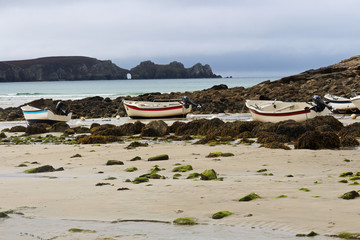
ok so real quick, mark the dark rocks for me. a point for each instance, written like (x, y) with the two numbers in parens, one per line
(37, 128)
(350, 195)
(208, 174)
(159, 157)
(155, 129)
(18, 129)
(59, 127)
(349, 141)
(136, 144)
(45, 168)
(318, 140)
(114, 162)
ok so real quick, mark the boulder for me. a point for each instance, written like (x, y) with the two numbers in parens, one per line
(318, 140)
(18, 129)
(156, 128)
(37, 128)
(59, 127)
(208, 174)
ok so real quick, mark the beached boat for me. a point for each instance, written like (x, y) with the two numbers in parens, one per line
(36, 115)
(276, 111)
(340, 104)
(161, 108)
(356, 101)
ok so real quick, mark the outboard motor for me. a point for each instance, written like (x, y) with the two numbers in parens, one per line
(61, 108)
(320, 104)
(187, 102)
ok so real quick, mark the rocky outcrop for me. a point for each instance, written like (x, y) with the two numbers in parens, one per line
(60, 68)
(150, 70)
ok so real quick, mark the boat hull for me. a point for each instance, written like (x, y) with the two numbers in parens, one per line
(137, 109)
(340, 104)
(34, 115)
(298, 112)
(356, 101)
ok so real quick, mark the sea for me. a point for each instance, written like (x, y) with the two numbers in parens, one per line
(14, 94)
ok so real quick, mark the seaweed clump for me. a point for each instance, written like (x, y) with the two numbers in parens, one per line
(350, 195)
(221, 214)
(185, 221)
(249, 197)
(208, 174)
(183, 168)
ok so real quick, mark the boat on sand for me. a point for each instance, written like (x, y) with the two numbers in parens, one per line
(161, 108)
(36, 115)
(340, 104)
(277, 111)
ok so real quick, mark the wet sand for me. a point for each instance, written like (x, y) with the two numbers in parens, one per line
(72, 194)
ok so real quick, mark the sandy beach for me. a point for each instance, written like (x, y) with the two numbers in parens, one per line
(72, 194)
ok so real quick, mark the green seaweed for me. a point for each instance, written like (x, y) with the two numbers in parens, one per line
(22, 165)
(347, 235)
(261, 170)
(310, 234)
(183, 168)
(185, 221)
(3, 215)
(304, 189)
(194, 175)
(346, 174)
(135, 158)
(350, 195)
(110, 178)
(76, 155)
(282, 196)
(76, 230)
(249, 197)
(221, 214)
(114, 162)
(138, 180)
(354, 178)
(219, 154)
(159, 157)
(343, 181)
(131, 169)
(208, 174)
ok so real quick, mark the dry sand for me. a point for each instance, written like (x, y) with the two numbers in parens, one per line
(72, 194)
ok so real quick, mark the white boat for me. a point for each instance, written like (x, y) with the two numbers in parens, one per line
(340, 104)
(161, 108)
(36, 115)
(356, 101)
(277, 111)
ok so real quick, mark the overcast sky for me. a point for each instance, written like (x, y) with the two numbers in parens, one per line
(236, 37)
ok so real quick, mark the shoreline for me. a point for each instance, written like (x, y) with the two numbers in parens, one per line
(72, 194)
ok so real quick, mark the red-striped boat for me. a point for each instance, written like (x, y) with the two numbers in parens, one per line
(161, 108)
(277, 111)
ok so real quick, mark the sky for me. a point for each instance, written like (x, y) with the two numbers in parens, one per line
(240, 38)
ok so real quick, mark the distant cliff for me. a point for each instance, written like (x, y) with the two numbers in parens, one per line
(59, 68)
(150, 70)
(85, 68)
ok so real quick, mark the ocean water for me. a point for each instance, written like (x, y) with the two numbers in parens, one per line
(18, 93)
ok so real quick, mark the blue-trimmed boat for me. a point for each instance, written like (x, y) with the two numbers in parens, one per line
(35, 115)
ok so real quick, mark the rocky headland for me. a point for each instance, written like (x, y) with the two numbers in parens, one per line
(86, 68)
(150, 70)
(58, 69)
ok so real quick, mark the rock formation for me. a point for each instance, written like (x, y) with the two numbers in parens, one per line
(150, 70)
(60, 68)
